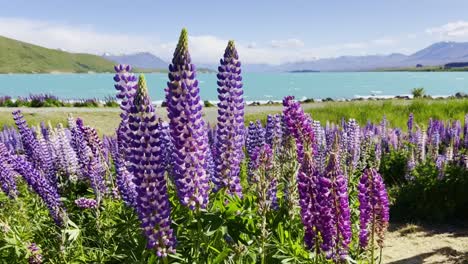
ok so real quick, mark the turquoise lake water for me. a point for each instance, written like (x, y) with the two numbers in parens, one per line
(258, 86)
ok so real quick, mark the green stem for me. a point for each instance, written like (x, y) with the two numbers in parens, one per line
(372, 238)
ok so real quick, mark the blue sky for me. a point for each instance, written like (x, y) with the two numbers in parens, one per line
(265, 31)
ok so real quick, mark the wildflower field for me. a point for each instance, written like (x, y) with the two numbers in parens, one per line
(287, 188)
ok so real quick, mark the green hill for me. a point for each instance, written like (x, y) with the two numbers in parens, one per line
(21, 57)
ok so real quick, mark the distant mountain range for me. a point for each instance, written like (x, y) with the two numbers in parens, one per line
(436, 54)
(142, 60)
(17, 56)
(21, 57)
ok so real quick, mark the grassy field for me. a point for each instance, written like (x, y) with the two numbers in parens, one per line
(105, 120)
(20, 57)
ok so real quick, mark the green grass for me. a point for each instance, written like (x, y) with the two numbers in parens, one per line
(396, 111)
(105, 122)
(20, 57)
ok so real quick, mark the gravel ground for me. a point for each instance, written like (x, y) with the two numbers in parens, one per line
(412, 244)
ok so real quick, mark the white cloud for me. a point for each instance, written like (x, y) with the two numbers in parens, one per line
(450, 30)
(205, 49)
(385, 41)
(287, 43)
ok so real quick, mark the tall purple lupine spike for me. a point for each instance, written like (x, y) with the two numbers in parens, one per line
(146, 162)
(126, 85)
(83, 151)
(255, 138)
(300, 128)
(41, 186)
(7, 175)
(230, 127)
(187, 128)
(335, 216)
(124, 179)
(373, 207)
(33, 149)
(273, 131)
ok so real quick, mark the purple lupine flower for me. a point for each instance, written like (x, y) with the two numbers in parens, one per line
(273, 131)
(264, 178)
(33, 149)
(299, 126)
(41, 186)
(146, 163)
(167, 143)
(230, 127)
(83, 151)
(373, 207)
(35, 256)
(96, 178)
(187, 128)
(124, 178)
(86, 203)
(307, 185)
(255, 138)
(7, 175)
(126, 85)
(334, 212)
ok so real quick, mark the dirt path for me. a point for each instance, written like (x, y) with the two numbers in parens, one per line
(411, 244)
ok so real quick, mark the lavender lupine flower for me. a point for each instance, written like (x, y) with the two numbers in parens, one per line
(7, 175)
(11, 138)
(334, 212)
(440, 165)
(86, 203)
(187, 128)
(66, 160)
(354, 143)
(373, 207)
(41, 186)
(410, 167)
(320, 146)
(33, 149)
(262, 160)
(35, 256)
(230, 127)
(420, 138)
(146, 163)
